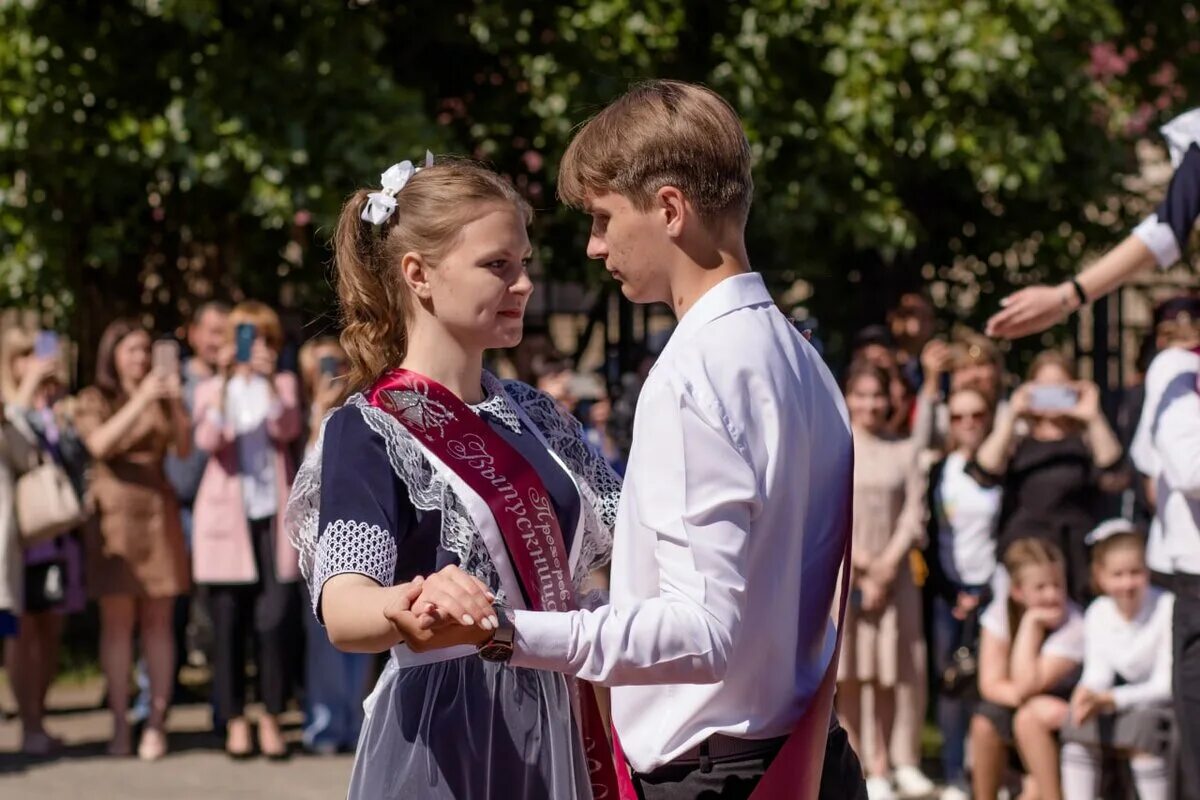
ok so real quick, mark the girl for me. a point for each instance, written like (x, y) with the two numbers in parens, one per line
(883, 644)
(1054, 472)
(1123, 699)
(961, 554)
(248, 420)
(431, 272)
(33, 390)
(1030, 652)
(136, 561)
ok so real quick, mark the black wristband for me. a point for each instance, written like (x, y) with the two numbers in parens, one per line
(1079, 292)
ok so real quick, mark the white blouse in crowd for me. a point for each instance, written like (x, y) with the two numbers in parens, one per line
(1137, 651)
(1066, 641)
(726, 549)
(967, 534)
(249, 403)
(1166, 447)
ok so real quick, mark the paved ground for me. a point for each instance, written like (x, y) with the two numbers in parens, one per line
(196, 768)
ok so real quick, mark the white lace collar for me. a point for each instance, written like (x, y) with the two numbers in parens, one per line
(498, 404)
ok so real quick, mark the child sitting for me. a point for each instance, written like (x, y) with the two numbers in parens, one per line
(1122, 703)
(1030, 654)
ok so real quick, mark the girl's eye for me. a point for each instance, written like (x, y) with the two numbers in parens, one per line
(498, 264)
(525, 262)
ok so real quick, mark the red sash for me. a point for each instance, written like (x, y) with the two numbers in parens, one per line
(518, 500)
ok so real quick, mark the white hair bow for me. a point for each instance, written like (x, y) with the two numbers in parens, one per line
(382, 204)
(1110, 527)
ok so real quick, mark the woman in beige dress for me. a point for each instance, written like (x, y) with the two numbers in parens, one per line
(883, 640)
(137, 564)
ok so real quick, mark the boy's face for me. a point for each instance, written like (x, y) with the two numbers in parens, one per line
(633, 244)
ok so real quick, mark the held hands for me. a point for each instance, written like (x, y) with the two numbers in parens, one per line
(1086, 704)
(446, 609)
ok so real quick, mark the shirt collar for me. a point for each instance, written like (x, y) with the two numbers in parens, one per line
(731, 294)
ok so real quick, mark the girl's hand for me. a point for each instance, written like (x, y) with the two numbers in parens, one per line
(965, 605)
(874, 596)
(328, 394)
(453, 596)
(1087, 410)
(881, 572)
(1019, 402)
(1048, 618)
(156, 386)
(1031, 310)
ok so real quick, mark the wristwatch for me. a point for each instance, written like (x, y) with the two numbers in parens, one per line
(500, 647)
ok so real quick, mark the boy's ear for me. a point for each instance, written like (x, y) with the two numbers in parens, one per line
(674, 208)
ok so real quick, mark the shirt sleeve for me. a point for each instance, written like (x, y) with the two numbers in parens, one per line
(699, 496)
(1098, 674)
(1157, 688)
(994, 618)
(359, 506)
(1176, 433)
(1167, 230)
(1068, 641)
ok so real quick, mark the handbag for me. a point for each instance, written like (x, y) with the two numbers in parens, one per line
(961, 675)
(47, 504)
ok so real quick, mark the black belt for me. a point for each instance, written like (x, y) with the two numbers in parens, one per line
(719, 746)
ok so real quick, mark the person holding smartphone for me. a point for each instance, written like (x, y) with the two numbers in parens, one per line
(38, 423)
(1055, 455)
(136, 562)
(247, 420)
(335, 682)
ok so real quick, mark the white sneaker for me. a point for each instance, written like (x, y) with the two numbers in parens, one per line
(955, 792)
(880, 789)
(911, 782)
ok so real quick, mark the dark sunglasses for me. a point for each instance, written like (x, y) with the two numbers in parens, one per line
(977, 416)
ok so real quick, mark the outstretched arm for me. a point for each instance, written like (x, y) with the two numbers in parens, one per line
(1160, 239)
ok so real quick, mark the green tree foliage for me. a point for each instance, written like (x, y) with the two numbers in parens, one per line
(156, 150)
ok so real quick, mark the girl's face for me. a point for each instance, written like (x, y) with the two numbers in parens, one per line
(132, 357)
(1123, 576)
(970, 419)
(867, 401)
(1041, 586)
(479, 289)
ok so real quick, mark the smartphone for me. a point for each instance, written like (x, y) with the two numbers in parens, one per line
(164, 357)
(1052, 398)
(329, 366)
(244, 337)
(45, 344)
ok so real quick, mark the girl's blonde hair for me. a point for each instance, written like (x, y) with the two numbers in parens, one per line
(431, 211)
(15, 343)
(1023, 553)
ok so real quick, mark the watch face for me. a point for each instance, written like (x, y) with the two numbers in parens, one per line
(496, 651)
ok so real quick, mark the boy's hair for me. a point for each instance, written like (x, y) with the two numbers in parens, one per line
(662, 133)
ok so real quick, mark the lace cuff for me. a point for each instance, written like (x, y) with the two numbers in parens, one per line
(348, 546)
